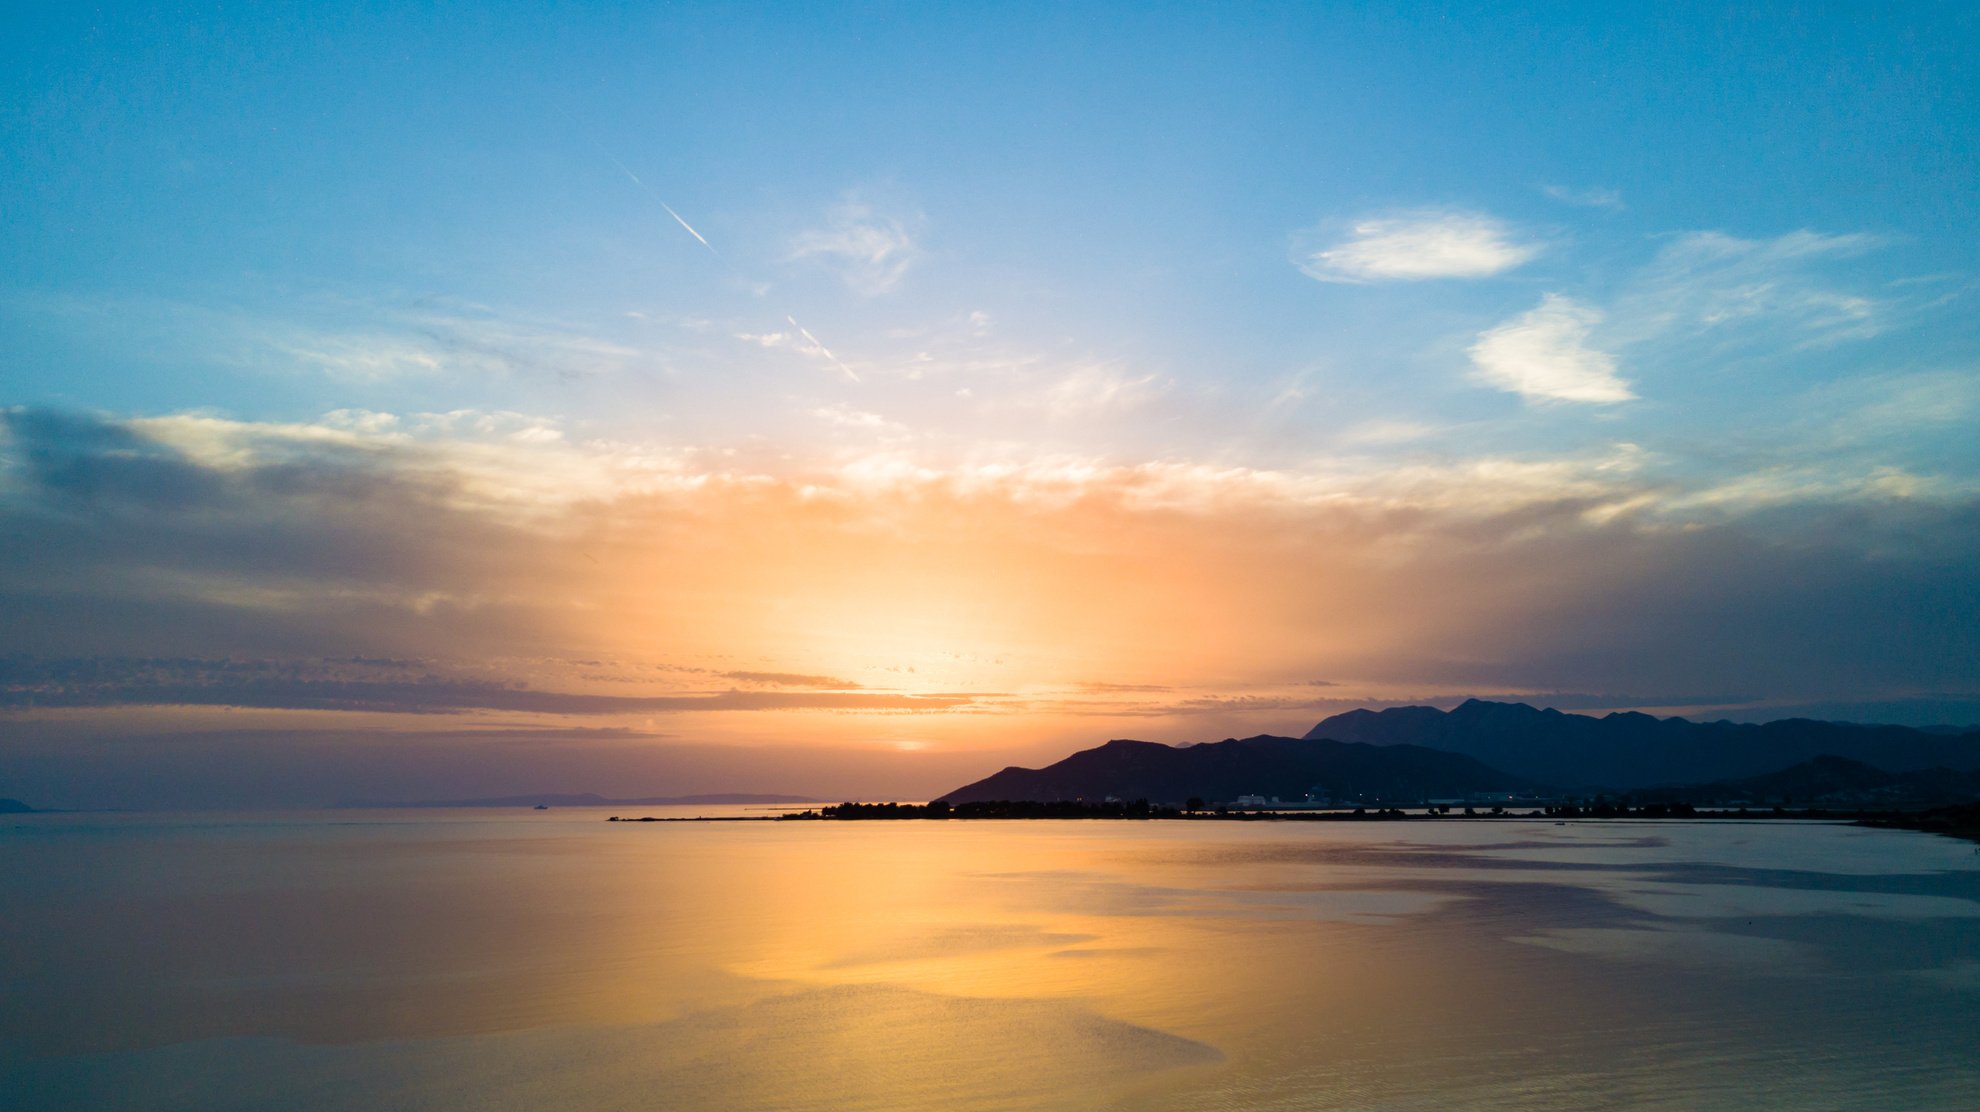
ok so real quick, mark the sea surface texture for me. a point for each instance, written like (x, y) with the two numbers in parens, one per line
(538, 960)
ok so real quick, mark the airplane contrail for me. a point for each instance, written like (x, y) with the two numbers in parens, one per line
(684, 223)
(703, 240)
(820, 345)
(678, 219)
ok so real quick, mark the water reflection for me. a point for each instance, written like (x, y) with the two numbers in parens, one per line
(475, 961)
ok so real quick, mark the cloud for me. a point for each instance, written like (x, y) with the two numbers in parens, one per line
(796, 339)
(357, 342)
(1592, 197)
(1876, 408)
(1543, 356)
(1381, 431)
(401, 541)
(844, 416)
(1707, 300)
(869, 252)
(443, 697)
(790, 679)
(458, 340)
(1099, 388)
(1716, 294)
(1418, 245)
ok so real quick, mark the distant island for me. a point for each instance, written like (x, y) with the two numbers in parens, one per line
(15, 807)
(586, 799)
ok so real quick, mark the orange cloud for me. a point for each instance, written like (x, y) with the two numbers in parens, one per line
(548, 579)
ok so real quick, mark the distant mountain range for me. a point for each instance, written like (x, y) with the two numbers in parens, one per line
(1286, 767)
(1483, 748)
(14, 807)
(1834, 782)
(1626, 751)
(582, 800)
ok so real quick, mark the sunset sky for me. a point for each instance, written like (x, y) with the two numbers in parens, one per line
(413, 401)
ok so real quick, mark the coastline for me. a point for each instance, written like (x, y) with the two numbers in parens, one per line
(1961, 822)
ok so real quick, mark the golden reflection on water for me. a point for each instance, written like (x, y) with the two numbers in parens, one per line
(529, 962)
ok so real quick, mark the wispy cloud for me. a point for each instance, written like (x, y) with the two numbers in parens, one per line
(844, 416)
(1881, 407)
(1543, 355)
(1724, 290)
(1099, 388)
(456, 340)
(1382, 432)
(356, 341)
(800, 340)
(1410, 246)
(870, 252)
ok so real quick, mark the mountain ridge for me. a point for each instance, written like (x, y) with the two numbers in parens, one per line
(1265, 765)
(1832, 781)
(1628, 749)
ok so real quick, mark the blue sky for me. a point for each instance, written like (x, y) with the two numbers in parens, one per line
(1119, 186)
(1601, 282)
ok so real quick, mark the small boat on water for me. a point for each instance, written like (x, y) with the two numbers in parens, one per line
(542, 807)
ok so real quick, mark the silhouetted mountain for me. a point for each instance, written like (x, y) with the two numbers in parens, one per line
(14, 807)
(1631, 750)
(1288, 768)
(1830, 781)
(582, 800)
(1825, 775)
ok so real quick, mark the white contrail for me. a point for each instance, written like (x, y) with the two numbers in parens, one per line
(685, 224)
(815, 342)
(703, 240)
(651, 192)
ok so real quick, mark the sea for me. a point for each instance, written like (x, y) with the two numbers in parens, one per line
(495, 960)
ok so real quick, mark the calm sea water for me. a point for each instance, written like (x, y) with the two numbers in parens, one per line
(550, 960)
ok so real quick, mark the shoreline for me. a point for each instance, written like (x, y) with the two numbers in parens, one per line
(1962, 822)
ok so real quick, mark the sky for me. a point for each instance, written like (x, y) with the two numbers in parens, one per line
(414, 401)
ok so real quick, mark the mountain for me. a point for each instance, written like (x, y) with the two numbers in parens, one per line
(586, 799)
(1286, 767)
(1631, 750)
(1830, 781)
(14, 807)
